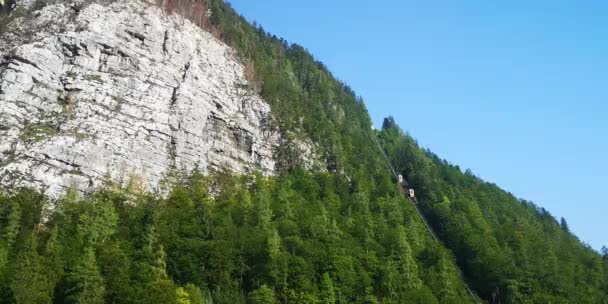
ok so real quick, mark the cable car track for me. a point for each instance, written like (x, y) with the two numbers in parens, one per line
(411, 197)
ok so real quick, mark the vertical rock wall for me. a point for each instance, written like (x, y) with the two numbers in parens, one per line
(89, 90)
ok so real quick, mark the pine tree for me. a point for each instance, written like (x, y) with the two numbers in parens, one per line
(406, 262)
(10, 211)
(445, 294)
(97, 223)
(154, 282)
(262, 208)
(13, 223)
(53, 259)
(115, 265)
(328, 295)
(30, 283)
(85, 283)
(277, 267)
(564, 225)
(389, 123)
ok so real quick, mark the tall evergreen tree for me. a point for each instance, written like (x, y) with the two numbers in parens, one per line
(53, 260)
(30, 283)
(85, 282)
(10, 213)
(328, 295)
(564, 225)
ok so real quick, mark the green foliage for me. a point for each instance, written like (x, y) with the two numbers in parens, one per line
(29, 281)
(262, 295)
(193, 295)
(299, 238)
(85, 285)
(510, 250)
(37, 132)
(328, 295)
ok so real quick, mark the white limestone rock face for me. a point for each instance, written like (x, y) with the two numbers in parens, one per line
(91, 89)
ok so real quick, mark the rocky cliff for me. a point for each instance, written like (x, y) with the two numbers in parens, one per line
(92, 89)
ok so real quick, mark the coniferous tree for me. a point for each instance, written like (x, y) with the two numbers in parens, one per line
(53, 260)
(85, 283)
(328, 295)
(10, 212)
(115, 266)
(30, 283)
(406, 264)
(564, 225)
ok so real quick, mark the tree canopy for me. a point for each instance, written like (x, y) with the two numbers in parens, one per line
(299, 238)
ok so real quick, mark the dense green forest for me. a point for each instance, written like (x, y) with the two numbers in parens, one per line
(341, 234)
(301, 238)
(510, 249)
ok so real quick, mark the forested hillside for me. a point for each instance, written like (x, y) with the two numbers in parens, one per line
(343, 233)
(510, 249)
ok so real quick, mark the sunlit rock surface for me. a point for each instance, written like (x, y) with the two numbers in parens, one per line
(92, 90)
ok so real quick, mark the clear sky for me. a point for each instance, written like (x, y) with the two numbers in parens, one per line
(516, 90)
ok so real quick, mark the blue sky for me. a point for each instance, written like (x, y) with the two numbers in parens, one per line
(517, 90)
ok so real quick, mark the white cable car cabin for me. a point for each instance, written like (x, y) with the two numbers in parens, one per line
(400, 178)
(411, 193)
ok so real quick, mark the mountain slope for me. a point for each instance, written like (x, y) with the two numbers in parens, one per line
(342, 233)
(339, 233)
(510, 250)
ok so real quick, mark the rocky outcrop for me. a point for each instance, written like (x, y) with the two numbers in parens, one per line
(90, 90)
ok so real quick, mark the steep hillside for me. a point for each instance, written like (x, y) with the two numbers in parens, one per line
(511, 250)
(124, 97)
(277, 192)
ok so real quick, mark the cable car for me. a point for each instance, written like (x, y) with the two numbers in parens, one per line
(411, 193)
(400, 178)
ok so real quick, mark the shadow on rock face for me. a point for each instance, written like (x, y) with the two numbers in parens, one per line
(6, 6)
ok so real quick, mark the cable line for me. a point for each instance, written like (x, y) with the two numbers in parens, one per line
(412, 199)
